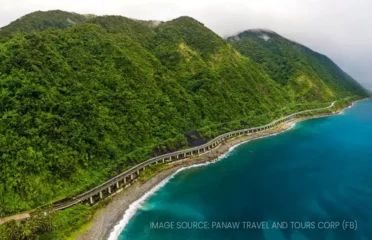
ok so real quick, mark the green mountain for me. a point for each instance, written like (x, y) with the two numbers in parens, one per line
(307, 75)
(83, 102)
(39, 21)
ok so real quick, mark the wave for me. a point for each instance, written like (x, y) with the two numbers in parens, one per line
(344, 110)
(133, 208)
(292, 126)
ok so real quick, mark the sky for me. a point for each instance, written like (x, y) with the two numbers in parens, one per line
(339, 29)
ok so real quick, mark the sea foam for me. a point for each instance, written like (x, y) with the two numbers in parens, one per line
(133, 208)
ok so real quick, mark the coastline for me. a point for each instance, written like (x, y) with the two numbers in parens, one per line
(120, 209)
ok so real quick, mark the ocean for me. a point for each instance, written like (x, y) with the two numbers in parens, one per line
(313, 181)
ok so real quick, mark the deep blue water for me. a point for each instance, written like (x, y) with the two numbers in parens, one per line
(318, 172)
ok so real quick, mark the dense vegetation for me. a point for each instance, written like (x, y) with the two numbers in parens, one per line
(307, 74)
(83, 102)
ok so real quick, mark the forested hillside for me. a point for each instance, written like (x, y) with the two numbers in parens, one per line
(83, 102)
(308, 75)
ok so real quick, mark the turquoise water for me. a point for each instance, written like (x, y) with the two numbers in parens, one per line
(318, 173)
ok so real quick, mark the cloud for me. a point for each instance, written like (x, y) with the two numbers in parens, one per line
(337, 28)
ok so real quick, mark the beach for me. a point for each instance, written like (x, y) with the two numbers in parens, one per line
(110, 216)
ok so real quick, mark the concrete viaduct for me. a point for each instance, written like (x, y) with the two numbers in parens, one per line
(124, 179)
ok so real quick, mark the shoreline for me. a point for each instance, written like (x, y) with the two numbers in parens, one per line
(113, 217)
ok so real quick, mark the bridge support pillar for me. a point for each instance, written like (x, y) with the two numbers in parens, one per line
(131, 177)
(91, 200)
(100, 195)
(109, 190)
(137, 172)
(117, 185)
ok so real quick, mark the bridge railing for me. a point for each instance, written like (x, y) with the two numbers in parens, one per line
(177, 155)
